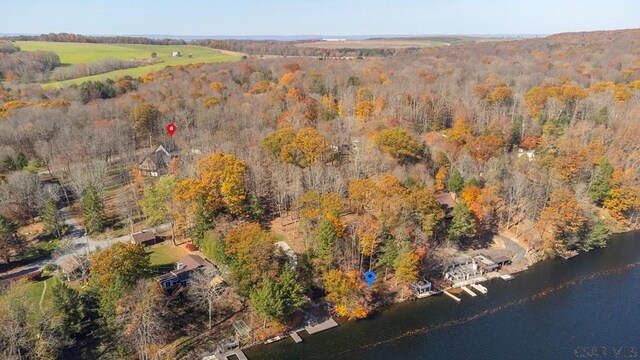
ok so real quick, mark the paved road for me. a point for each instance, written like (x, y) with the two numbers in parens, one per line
(515, 248)
(81, 244)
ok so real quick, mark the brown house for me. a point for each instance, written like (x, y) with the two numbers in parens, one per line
(157, 163)
(145, 238)
(447, 201)
(184, 267)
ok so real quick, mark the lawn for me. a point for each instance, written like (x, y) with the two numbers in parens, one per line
(82, 53)
(163, 257)
(32, 291)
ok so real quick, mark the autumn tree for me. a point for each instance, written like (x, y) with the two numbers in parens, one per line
(345, 290)
(129, 262)
(399, 144)
(308, 147)
(624, 194)
(251, 253)
(145, 117)
(562, 217)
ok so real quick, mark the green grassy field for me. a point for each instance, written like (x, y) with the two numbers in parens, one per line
(80, 53)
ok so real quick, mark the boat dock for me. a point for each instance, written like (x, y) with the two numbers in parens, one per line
(506, 277)
(227, 356)
(468, 291)
(480, 288)
(296, 337)
(452, 296)
(325, 325)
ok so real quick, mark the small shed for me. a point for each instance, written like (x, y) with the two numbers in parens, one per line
(447, 201)
(145, 238)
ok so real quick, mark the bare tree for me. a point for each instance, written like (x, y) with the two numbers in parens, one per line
(141, 315)
(205, 288)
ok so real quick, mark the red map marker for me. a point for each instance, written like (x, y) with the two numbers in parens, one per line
(171, 128)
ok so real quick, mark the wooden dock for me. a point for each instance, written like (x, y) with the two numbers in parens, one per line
(480, 288)
(452, 296)
(296, 337)
(237, 353)
(468, 291)
(325, 325)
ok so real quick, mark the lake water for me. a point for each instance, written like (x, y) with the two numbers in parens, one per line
(584, 307)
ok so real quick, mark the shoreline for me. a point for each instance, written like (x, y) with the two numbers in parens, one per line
(485, 278)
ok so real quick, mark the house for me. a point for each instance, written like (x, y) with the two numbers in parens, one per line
(176, 54)
(184, 267)
(447, 201)
(501, 260)
(463, 270)
(157, 163)
(487, 265)
(145, 238)
(531, 154)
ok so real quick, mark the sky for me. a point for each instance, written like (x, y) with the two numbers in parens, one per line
(315, 17)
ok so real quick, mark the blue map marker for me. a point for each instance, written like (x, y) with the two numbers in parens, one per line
(369, 276)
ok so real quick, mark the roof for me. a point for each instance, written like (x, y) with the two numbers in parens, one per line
(483, 260)
(500, 259)
(446, 199)
(192, 262)
(143, 236)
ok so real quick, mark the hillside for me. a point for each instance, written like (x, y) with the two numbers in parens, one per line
(89, 53)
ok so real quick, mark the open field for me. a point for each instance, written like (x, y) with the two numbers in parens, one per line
(84, 53)
(397, 43)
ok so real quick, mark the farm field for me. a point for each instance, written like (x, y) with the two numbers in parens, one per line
(397, 43)
(84, 53)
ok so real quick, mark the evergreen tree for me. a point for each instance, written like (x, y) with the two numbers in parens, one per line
(597, 237)
(51, 219)
(8, 164)
(600, 186)
(456, 182)
(69, 306)
(267, 300)
(92, 209)
(278, 299)
(21, 161)
(462, 225)
(202, 222)
(10, 241)
(325, 238)
(255, 207)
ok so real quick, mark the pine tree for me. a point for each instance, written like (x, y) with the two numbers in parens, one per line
(600, 186)
(202, 222)
(68, 304)
(92, 209)
(597, 237)
(278, 299)
(462, 225)
(325, 238)
(21, 161)
(10, 241)
(456, 182)
(51, 219)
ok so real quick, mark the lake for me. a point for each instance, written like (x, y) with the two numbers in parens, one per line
(584, 307)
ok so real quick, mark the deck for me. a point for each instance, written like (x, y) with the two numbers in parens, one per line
(452, 296)
(325, 325)
(296, 337)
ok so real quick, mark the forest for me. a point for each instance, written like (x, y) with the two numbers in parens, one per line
(343, 159)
